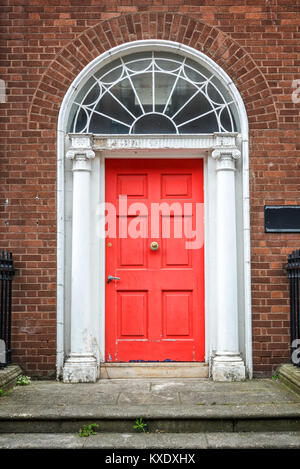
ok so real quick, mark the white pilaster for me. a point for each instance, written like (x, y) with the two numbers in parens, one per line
(81, 365)
(227, 364)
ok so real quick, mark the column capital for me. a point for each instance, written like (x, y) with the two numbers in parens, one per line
(81, 152)
(225, 157)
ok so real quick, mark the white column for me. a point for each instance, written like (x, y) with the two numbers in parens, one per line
(81, 365)
(227, 363)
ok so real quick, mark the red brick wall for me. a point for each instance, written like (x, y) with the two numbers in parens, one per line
(44, 45)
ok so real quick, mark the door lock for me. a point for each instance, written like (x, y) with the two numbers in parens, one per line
(110, 278)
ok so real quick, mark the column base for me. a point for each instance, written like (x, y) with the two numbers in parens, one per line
(228, 368)
(80, 369)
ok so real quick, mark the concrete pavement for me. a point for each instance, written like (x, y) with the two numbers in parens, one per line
(189, 413)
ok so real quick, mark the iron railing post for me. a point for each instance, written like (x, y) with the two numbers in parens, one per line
(293, 269)
(6, 275)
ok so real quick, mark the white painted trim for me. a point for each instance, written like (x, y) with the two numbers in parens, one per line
(247, 257)
(156, 154)
(123, 143)
(60, 252)
(152, 142)
(61, 134)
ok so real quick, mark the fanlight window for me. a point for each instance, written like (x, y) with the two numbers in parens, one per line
(153, 93)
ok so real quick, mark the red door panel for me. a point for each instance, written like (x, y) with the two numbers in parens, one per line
(155, 312)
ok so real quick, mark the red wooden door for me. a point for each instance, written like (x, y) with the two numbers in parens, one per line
(155, 312)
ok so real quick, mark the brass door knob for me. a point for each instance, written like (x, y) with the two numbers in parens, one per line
(154, 246)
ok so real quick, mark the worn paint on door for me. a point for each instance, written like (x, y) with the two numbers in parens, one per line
(155, 312)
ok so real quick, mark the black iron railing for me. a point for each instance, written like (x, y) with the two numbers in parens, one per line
(6, 276)
(293, 269)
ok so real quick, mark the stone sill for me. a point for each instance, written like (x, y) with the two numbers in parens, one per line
(290, 376)
(9, 376)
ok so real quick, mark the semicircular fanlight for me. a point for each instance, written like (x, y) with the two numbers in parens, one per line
(153, 93)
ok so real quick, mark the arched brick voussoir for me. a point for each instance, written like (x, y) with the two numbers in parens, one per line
(217, 45)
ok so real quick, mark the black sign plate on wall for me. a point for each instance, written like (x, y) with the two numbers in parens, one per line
(282, 218)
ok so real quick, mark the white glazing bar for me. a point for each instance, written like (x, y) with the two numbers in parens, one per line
(135, 92)
(197, 117)
(153, 84)
(107, 90)
(172, 90)
(112, 118)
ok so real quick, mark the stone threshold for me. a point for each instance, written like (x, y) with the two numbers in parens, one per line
(154, 370)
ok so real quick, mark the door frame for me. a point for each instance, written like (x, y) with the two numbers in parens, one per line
(155, 155)
(110, 146)
(149, 153)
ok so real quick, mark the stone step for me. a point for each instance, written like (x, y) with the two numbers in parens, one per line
(129, 441)
(180, 419)
(9, 376)
(154, 370)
